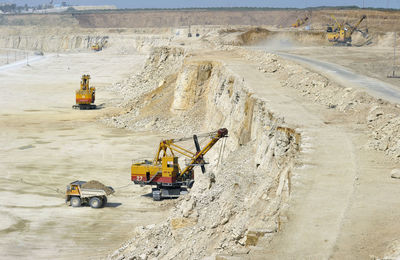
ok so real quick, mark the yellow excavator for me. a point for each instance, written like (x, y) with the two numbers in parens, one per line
(85, 96)
(97, 47)
(164, 171)
(299, 22)
(341, 33)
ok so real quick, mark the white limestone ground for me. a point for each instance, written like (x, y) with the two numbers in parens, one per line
(305, 171)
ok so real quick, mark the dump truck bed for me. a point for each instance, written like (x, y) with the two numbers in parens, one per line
(85, 193)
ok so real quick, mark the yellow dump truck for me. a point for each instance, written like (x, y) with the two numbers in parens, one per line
(91, 193)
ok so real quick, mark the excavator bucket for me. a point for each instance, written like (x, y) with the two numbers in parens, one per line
(196, 143)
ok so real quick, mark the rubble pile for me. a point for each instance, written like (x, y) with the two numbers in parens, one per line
(93, 184)
(162, 62)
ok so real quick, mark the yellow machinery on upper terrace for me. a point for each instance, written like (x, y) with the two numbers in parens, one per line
(299, 22)
(164, 171)
(341, 33)
(97, 47)
(85, 96)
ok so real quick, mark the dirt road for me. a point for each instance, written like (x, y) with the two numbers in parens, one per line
(329, 216)
(347, 77)
(45, 144)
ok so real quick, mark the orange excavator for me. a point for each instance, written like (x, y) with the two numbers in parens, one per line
(85, 96)
(164, 171)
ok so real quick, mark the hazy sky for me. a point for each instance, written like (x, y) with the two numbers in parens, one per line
(219, 3)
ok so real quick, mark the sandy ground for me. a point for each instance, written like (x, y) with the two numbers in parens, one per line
(345, 76)
(8, 56)
(344, 204)
(45, 144)
(375, 62)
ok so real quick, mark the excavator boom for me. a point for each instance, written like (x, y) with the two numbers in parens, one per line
(357, 24)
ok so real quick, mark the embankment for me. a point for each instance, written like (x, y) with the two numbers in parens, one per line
(378, 20)
(240, 197)
(49, 39)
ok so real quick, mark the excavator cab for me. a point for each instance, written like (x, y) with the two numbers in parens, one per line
(170, 168)
(85, 82)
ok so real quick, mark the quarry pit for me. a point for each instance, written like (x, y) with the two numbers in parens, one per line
(305, 172)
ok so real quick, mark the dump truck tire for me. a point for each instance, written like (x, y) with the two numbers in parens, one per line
(75, 202)
(95, 203)
(104, 201)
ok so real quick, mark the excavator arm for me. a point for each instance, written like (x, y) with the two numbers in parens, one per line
(353, 28)
(337, 24)
(170, 146)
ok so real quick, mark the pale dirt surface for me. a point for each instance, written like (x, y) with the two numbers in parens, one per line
(374, 62)
(331, 199)
(46, 144)
(8, 56)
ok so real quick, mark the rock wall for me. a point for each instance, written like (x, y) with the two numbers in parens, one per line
(378, 20)
(240, 197)
(48, 39)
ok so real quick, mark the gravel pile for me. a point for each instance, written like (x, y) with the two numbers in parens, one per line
(97, 185)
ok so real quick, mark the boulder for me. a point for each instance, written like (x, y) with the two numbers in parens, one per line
(395, 173)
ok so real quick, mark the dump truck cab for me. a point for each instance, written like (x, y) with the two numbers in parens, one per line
(73, 188)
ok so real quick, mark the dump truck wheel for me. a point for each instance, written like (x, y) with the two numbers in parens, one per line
(95, 203)
(104, 201)
(156, 195)
(75, 202)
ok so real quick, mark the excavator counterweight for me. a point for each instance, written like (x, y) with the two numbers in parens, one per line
(164, 171)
